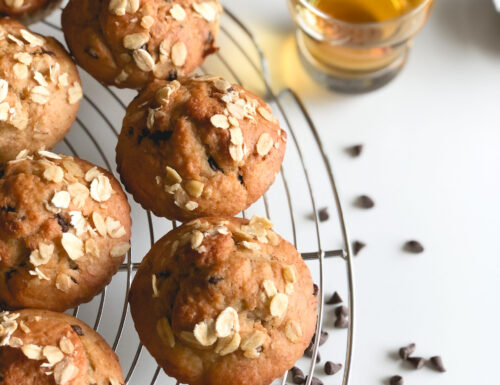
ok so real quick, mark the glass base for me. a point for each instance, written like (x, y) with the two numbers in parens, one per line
(345, 81)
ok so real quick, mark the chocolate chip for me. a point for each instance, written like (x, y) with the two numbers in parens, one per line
(364, 202)
(357, 246)
(334, 300)
(214, 280)
(91, 52)
(297, 375)
(332, 368)
(414, 247)
(342, 322)
(323, 337)
(355, 150)
(396, 380)
(315, 381)
(77, 329)
(160, 136)
(63, 223)
(417, 362)
(213, 164)
(8, 209)
(240, 178)
(407, 351)
(172, 75)
(342, 311)
(323, 214)
(164, 274)
(315, 289)
(437, 363)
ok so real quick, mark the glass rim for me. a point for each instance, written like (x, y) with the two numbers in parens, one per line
(371, 24)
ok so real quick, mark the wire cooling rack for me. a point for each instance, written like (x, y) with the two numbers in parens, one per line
(305, 184)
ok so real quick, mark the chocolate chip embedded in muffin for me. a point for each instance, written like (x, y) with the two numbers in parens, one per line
(40, 90)
(256, 321)
(197, 147)
(42, 347)
(128, 43)
(64, 231)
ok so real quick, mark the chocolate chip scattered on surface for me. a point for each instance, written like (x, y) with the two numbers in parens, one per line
(396, 380)
(414, 247)
(323, 214)
(335, 299)
(417, 362)
(437, 363)
(364, 202)
(357, 246)
(355, 150)
(407, 351)
(332, 368)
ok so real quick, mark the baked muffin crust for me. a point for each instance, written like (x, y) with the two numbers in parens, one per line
(128, 43)
(40, 90)
(64, 231)
(197, 147)
(224, 300)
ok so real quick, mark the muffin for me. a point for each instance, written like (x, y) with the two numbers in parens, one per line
(27, 11)
(45, 348)
(128, 43)
(198, 147)
(224, 301)
(40, 90)
(64, 231)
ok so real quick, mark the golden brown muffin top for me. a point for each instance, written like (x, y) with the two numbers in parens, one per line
(39, 88)
(203, 146)
(64, 231)
(130, 42)
(45, 348)
(224, 300)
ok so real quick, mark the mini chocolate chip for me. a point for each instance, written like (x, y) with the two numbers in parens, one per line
(315, 381)
(240, 178)
(323, 337)
(357, 246)
(417, 362)
(77, 329)
(9, 274)
(406, 351)
(91, 52)
(342, 311)
(364, 202)
(355, 150)
(43, 51)
(334, 300)
(63, 223)
(172, 75)
(414, 247)
(213, 164)
(437, 363)
(297, 375)
(164, 274)
(318, 358)
(315, 289)
(396, 380)
(8, 209)
(160, 136)
(259, 349)
(214, 280)
(342, 322)
(323, 214)
(332, 368)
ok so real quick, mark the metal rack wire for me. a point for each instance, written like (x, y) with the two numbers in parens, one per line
(240, 59)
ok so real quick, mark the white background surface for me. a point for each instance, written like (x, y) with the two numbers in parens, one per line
(431, 163)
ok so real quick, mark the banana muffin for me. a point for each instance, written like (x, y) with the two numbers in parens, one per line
(46, 348)
(64, 231)
(198, 147)
(40, 90)
(128, 43)
(224, 301)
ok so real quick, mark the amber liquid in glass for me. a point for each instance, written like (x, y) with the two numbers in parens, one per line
(364, 51)
(365, 11)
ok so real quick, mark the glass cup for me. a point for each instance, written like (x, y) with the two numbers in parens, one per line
(354, 57)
